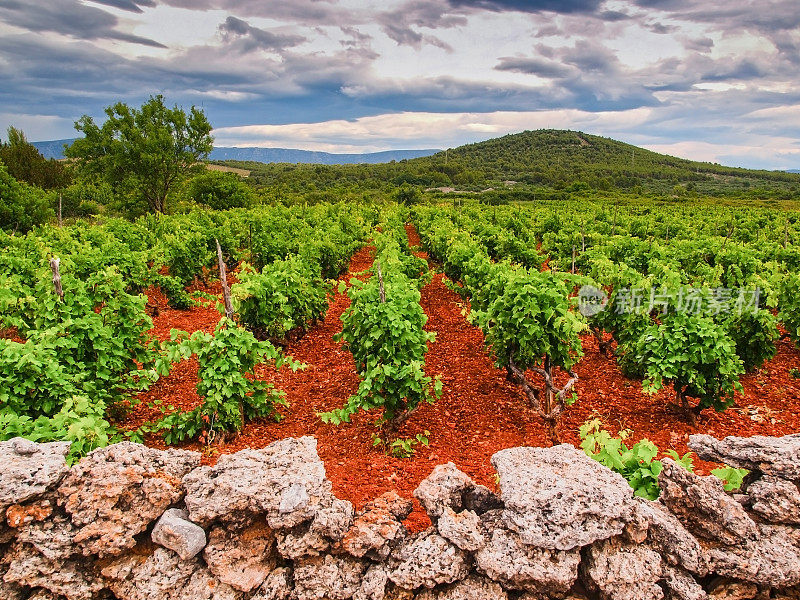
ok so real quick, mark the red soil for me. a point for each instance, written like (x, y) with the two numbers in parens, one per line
(479, 413)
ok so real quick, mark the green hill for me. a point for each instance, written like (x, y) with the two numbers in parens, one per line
(566, 158)
(554, 160)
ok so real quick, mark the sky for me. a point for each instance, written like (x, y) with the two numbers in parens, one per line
(702, 79)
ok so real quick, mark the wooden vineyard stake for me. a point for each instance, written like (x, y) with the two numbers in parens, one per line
(223, 277)
(54, 263)
(380, 281)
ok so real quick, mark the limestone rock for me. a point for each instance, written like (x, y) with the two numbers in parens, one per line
(373, 584)
(7, 534)
(29, 470)
(41, 595)
(285, 480)
(156, 575)
(776, 456)
(328, 577)
(775, 500)
(394, 592)
(427, 559)
(310, 539)
(70, 578)
(727, 589)
(680, 585)
(393, 503)
(559, 498)
(277, 586)
(301, 541)
(702, 505)
(173, 530)
(473, 587)
(374, 533)
(333, 521)
(241, 558)
(620, 571)
(53, 538)
(667, 535)
(772, 560)
(115, 492)
(463, 529)
(203, 586)
(19, 515)
(11, 591)
(517, 566)
(480, 499)
(445, 487)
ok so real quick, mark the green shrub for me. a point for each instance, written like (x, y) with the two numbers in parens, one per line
(284, 296)
(388, 342)
(232, 393)
(754, 334)
(789, 306)
(696, 356)
(220, 191)
(530, 326)
(22, 206)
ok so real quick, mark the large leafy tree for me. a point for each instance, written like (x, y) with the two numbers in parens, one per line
(143, 153)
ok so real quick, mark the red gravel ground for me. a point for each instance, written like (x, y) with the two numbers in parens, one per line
(479, 413)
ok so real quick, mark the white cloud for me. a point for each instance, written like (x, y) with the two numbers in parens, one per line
(759, 154)
(37, 127)
(410, 130)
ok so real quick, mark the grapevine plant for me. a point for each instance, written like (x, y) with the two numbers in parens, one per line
(638, 463)
(79, 357)
(384, 330)
(789, 306)
(232, 393)
(693, 354)
(286, 295)
(530, 326)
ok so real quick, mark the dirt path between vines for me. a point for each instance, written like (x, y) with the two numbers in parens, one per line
(479, 413)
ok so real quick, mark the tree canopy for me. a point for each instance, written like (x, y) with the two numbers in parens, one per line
(143, 153)
(25, 163)
(22, 206)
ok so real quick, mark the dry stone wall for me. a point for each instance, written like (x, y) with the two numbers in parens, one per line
(134, 523)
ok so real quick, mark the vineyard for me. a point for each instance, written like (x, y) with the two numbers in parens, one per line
(404, 337)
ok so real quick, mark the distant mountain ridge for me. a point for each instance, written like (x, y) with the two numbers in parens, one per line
(288, 155)
(55, 149)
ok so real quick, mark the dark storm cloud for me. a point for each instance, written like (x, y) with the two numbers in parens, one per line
(248, 38)
(661, 29)
(68, 17)
(531, 6)
(704, 44)
(534, 66)
(590, 57)
(129, 5)
(298, 12)
(612, 16)
(402, 24)
(742, 70)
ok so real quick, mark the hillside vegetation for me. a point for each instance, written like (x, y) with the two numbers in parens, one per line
(543, 160)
